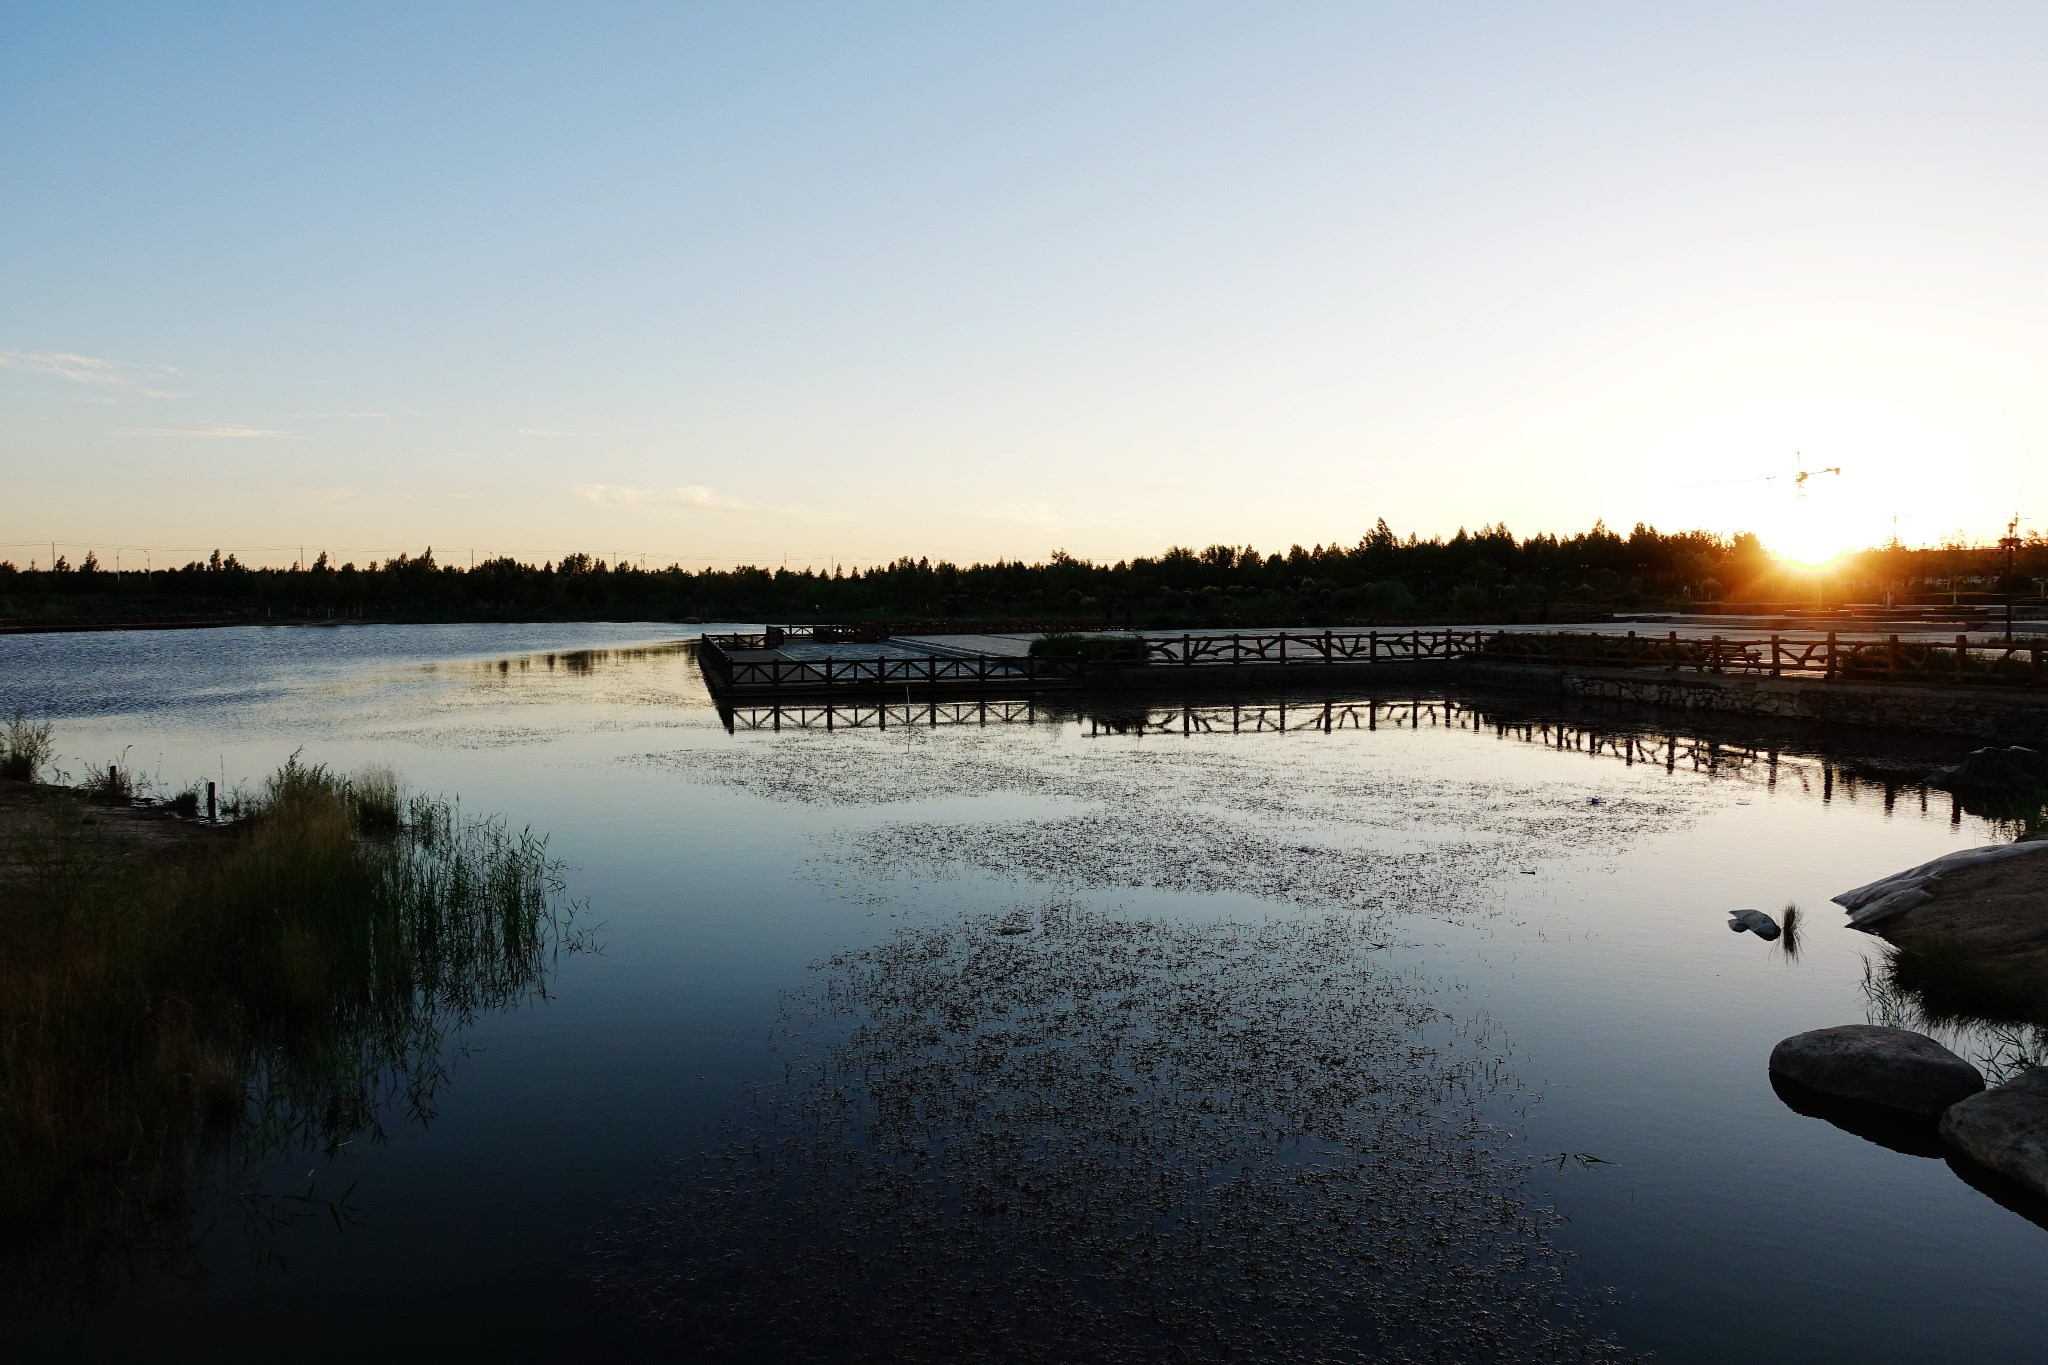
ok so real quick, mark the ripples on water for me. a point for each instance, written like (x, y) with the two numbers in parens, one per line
(1058, 1133)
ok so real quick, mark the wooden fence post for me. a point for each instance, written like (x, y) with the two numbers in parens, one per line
(1962, 656)
(1774, 656)
(1831, 656)
(1671, 659)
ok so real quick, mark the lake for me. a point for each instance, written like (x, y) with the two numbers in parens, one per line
(1100, 1030)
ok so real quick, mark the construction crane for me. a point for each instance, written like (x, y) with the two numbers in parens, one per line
(1799, 475)
(2010, 543)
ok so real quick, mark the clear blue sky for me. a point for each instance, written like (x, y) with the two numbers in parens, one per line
(733, 283)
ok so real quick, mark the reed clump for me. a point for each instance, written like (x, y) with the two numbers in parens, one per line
(279, 986)
(25, 747)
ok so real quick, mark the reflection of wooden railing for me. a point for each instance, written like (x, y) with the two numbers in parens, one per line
(1758, 763)
(880, 715)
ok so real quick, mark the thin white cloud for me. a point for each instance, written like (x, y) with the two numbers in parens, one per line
(542, 431)
(1046, 516)
(226, 431)
(164, 393)
(79, 369)
(694, 497)
(376, 416)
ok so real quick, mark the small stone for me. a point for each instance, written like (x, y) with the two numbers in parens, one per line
(2006, 1129)
(1893, 1067)
(1756, 921)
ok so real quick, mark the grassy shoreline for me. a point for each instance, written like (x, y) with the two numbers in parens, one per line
(177, 1010)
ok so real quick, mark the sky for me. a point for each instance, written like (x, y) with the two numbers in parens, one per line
(832, 284)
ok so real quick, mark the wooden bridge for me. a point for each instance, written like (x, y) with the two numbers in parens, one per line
(819, 661)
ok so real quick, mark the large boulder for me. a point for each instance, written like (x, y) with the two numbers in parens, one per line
(2006, 1129)
(1961, 875)
(1972, 925)
(1893, 1067)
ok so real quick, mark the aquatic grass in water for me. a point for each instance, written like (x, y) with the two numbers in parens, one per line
(1065, 1134)
(1791, 927)
(1935, 989)
(285, 984)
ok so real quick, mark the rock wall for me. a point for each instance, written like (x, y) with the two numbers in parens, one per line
(2008, 715)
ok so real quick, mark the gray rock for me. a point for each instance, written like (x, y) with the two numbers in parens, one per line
(1756, 921)
(1890, 906)
(1889, 897)
(1893, 1067)
(2006, 1129)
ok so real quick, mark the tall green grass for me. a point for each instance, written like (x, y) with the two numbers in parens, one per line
(287, 984)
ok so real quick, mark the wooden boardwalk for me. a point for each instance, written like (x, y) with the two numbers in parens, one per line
(798, 662)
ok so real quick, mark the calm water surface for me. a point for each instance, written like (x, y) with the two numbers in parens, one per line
(1529, 953)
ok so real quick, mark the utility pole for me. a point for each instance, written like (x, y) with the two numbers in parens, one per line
(2011, 545)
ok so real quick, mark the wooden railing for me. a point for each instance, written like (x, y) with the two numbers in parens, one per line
(1978, 663)
(730, 673)
(1324, 647)
(1994, 662)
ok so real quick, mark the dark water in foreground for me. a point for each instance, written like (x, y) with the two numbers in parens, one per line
(1082, 1034)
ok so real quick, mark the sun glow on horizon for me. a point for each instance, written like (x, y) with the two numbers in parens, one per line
(1814, 546)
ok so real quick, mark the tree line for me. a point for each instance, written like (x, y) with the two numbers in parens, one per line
(1490, 573)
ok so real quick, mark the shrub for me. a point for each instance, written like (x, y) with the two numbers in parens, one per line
(1059, 645)
(1389, 595)
(1119, 649)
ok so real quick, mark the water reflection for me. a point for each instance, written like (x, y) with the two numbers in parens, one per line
(576, 663)
(1908, 1134)
(1998, 1023)
(1761, 753)
(1055, 1133)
